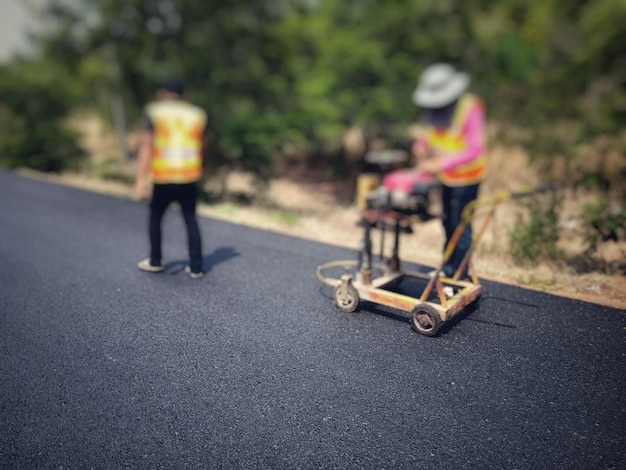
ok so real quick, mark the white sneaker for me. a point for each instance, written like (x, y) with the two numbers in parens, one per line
(448, 291)
(192, 274)
(145, 265)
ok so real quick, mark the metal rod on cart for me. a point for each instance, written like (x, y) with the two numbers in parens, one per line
(452, 243)
(395, 258)
(470, 251)
(469, 212)
(366, 255)
(383, 229)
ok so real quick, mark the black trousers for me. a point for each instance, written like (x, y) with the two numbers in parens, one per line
(454, 201)
(186, 196)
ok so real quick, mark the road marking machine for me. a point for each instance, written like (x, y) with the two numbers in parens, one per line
(401, 201)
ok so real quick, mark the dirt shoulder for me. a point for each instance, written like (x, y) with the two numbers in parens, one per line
(312, 211)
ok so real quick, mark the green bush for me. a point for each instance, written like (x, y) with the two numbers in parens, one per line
(32, 107)
(602, 223)
(535, 234)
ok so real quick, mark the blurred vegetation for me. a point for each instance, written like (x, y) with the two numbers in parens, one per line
(285, 79)
(535, 235)
(603, 222)
(33, 102)
(289, 77)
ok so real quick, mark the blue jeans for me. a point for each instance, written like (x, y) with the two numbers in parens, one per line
(186, 195)
(455, 198)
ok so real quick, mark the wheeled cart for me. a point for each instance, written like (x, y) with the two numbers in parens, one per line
(431, 299)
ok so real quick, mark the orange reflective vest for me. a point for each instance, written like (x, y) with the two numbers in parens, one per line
(178, 141)
(452, 140)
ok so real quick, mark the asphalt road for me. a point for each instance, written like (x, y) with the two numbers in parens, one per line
(104, 366)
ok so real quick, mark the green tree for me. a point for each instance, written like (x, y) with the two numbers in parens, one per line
(294, 75)
(34, 100)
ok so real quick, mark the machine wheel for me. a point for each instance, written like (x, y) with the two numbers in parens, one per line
(425, 320)
(346, 297)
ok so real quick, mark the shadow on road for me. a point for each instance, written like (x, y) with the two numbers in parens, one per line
(220, 255)
(504, 299)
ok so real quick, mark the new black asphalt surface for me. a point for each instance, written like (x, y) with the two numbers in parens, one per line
(104, 366)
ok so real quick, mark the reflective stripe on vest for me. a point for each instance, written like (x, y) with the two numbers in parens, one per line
(451, 140)
(178, 130)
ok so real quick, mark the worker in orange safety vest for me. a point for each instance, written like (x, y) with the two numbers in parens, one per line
(452, 147)
(171, 151)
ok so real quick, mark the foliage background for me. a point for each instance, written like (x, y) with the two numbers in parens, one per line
(287, 79)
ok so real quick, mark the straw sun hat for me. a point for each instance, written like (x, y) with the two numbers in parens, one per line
(439, 85)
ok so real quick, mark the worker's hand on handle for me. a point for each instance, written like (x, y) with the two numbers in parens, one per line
(146, 147)
(141, 189)
(432, 165)
(420, 150)
(427, 159)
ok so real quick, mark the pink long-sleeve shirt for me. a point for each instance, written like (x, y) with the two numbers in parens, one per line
(473, 131)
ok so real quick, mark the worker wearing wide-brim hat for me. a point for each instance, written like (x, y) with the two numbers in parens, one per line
(452, 147)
